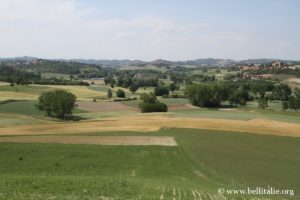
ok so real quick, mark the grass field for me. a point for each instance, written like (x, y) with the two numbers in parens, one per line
(203, 162)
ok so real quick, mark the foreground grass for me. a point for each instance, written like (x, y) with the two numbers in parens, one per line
(203, 161)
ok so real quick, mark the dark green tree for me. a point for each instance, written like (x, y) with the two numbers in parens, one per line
(172, 87)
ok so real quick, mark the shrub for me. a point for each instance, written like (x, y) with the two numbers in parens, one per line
(151, 104)
(153, 107)
(120, 93)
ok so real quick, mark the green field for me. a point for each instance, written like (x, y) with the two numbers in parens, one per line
(21, 107)
(25, 108)
(27, 89)
(168, 101)
(204, 161)
(292, 117)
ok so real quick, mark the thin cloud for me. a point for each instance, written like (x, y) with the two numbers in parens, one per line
(70, 29)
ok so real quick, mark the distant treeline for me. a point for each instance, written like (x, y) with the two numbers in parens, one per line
(239, 92)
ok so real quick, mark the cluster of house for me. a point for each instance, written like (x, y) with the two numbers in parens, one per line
(255, 67)
(252, 76)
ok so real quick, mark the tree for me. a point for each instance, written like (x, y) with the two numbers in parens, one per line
(262, 102)
(282, 92)
(161, 91)
(120, 93)
(172, 87)
(206, 95)
(149, 98)
(297, 93)
(285, 105)
(239, 97)
(133, 88)
(109, 93)
(294, 101)
(58, 103)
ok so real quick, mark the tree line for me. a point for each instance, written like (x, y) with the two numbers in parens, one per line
(239, 93)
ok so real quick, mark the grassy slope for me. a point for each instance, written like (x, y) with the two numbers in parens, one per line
(21, 107)
(285, 116)
(203, 161)
(25, 108)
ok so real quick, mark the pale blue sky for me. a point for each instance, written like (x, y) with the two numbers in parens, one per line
(150, 29)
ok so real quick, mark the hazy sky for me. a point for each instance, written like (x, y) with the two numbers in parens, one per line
(150, 29)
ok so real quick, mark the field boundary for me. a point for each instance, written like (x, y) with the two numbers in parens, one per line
(95, 140)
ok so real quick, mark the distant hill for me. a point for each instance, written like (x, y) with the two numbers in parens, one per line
(24, 58)
(107, 63)
(206, 62)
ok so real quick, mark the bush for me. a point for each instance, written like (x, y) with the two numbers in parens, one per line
(153, 107)
(120, 93)
(126, 99)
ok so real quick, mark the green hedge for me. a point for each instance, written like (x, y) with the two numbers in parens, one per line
(153, 107)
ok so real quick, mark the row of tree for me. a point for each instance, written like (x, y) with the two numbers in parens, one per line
(213, 94)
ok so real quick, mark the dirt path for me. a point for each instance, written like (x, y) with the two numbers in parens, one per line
(97, 140)
(153, 123)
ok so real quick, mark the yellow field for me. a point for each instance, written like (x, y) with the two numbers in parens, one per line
(82, 93)
(293, 82)
(3, 83)
(6, 95)
(154, 123)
